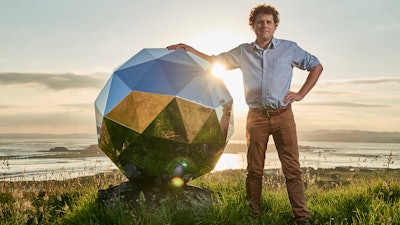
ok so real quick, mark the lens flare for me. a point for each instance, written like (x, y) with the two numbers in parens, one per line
(218, 70)
(185, 163)
(178, 171)
(177, 182)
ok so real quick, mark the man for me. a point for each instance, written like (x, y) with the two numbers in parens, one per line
(267, 67)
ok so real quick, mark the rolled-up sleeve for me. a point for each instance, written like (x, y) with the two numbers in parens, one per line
(228, 59)
(302, 59)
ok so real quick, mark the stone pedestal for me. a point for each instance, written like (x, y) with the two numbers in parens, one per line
(150, 197)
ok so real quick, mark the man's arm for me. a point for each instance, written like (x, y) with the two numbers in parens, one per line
(312, 79)
(190, 49)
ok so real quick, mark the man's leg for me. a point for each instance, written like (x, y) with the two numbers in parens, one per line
(257, 139)
(285, 137)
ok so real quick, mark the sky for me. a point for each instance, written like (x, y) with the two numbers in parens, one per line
(55, 56)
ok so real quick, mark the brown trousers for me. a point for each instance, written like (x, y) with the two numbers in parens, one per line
(282, 127)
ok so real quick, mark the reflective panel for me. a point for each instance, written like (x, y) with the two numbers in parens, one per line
(193, 117)
(138, 109)
(163, 115)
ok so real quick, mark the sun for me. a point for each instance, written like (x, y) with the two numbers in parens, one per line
(218, 70)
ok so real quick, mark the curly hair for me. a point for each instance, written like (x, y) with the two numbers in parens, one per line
(265, 9)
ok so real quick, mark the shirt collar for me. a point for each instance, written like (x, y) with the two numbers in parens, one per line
(271, 45)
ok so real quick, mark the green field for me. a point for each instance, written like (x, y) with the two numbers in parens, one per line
(335, 196)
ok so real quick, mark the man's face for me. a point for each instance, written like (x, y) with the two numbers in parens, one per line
(264, 27)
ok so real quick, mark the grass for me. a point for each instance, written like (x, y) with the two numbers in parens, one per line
(335, 196)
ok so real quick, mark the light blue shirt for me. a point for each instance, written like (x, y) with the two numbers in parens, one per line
(267, 73)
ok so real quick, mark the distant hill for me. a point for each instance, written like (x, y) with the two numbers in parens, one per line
(349, 136)
(46, 136)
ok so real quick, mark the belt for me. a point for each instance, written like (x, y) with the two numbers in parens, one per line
(271, 111)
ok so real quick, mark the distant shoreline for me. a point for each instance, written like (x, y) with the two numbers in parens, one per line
(323, 176)
(63, 152)
(48, 136)
(235, 152)
(311, 136)
(94, 151)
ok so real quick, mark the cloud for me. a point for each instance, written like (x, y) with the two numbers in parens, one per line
(393, 80)
(383, 88)
(79, 105)
(6, 106)
(54, 81)
(46, 119)
(346, 104)
(321, 92)
(362, 81)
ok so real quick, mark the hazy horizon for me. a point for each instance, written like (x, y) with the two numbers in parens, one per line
(320, 135)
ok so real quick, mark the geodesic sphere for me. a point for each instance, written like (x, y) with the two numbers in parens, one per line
(162, 114)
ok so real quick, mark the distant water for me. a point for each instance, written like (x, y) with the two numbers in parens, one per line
(327, 155)
(19, 165)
